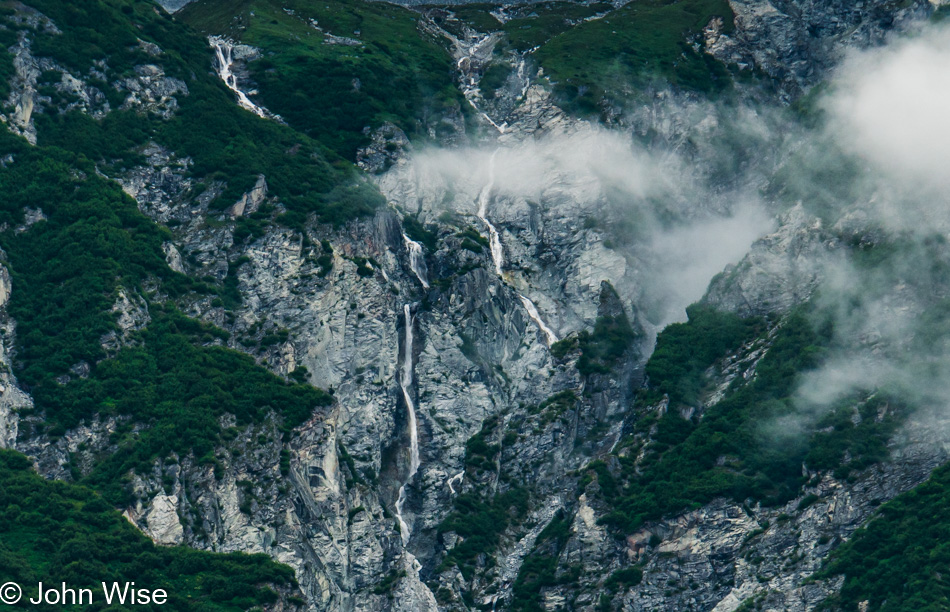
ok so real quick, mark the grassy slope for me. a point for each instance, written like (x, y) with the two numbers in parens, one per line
(626, 49)
(54, 532)
(634, 45)
(225, 142)
(402, 76)
(547, 20)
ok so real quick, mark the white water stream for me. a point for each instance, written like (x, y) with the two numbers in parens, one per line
(405, 382)
(417, 261)
(456, 479)
(224, 54)
(411, 565)
(529, 306)
(498, 252)
(484, 197)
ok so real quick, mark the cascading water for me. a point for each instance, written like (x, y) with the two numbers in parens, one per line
(470, 90)
(410, 564)
(497, 252)
(529, 306)
(417, 261)
(523, 77)
(470, 85)
(224, 50)
(405, 382)
(455, 479)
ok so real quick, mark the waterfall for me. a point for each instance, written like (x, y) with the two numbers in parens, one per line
(405, 382)
(457, 478)
(522, 76)
(223, 50)
(470, 85)
(484, 196)
(529, 306)
(501, 128)
(497, 253)
(416, 260)
(411, 565)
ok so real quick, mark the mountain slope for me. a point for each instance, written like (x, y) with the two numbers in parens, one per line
(336, 70)
(470, 378)
(53, 533)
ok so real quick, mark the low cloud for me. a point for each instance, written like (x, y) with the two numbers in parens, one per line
(652, 205)
(889, 107)
(686, 257)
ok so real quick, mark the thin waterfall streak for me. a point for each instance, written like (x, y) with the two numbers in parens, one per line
(223, 50)
(494, 240)
(457, 478)
(417, 261)
(405, 382)
(532, 310)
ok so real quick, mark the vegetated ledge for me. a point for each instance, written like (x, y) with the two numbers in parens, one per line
(54, 532)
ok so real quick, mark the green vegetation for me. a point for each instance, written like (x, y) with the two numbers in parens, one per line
(420, 233)
(611, 338)
(898, 560)
(472, 240)
(548, 19)
(554, 407)
(225, 142)
(331, 92)
(732, 451)
(685, 350)
(479, 452)
(8, 38)
(478, 516)
(55, 532)
(179, 389)
(634, 45)
(603, 347)
(624, 578)
(591, 50)
(494, 77)
(69, 269)
(752, 443)
(539, 569)
(481, 522)
(385, 587)
(600, 349)
(478, 16)
(865, 442)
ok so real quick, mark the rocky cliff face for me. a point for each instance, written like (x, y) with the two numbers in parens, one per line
(797, 43)
(526, 244)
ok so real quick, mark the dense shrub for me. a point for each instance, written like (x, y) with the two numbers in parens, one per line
(685, 350)
(539, 569)
(334, 92)
(636, 44)
(179, 389)
(729, 452)
(222, 140)
(896, 561)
